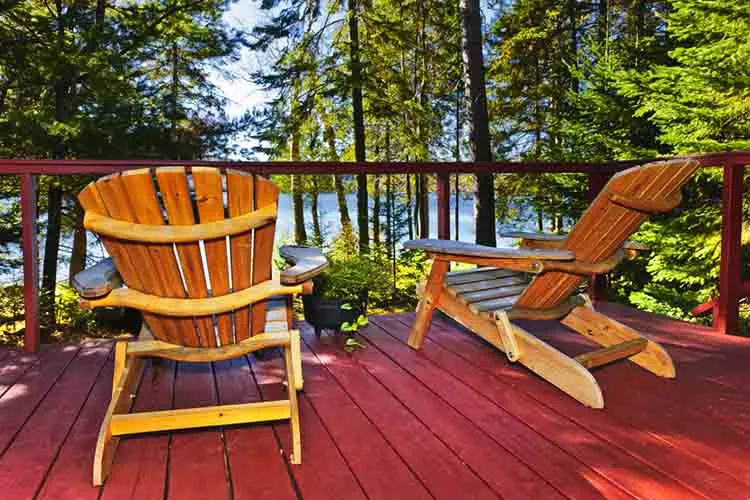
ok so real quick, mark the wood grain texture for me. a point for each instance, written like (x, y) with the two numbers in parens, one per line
(241, 200)
(177, 200)
(105, 197)
(209, 199)
(266, 193)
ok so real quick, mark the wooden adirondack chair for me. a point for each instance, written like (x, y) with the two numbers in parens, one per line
(193, 248)
(487, 299)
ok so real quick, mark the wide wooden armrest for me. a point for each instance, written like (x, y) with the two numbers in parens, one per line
(184, 307)
(460, 248)
(547, 240)
(307, 262)
(97, 280)
(524, 235)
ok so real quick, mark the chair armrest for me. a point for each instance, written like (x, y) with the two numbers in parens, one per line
(307, 262)
(460, 248)
(98, 280)
(546, 240)
(534, 236)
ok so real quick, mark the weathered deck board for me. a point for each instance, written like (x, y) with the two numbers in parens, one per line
(431, 459)
(31, 455)
(140, 467)
(196, 455)
(608, 425)
(453, 421)
(258, 469)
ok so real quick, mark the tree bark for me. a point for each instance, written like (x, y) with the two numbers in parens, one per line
(408, 207)
(78, 254)
(298, 202)
(359, 125)
(317, 232)
(376, 210)
(424, 208)
(51, 253)
(338, 183)
(484, 200)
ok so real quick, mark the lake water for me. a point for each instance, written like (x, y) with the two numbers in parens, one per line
(329, 221)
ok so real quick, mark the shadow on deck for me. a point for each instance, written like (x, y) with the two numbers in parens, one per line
(454, 421)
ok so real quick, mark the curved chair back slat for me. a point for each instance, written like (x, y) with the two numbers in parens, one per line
(605, 225)
(195, 269)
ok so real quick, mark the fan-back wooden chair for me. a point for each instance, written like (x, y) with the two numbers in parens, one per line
(193, 248)
(502, 289)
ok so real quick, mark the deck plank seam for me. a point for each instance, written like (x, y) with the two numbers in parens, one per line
(36, 406)
(377, 429)
(167, 462)
(643, 459)
(56, 455)
(511, 415)
(429, 428)
(479, 429)
(274, 429)
(26, 369)
(222, 436)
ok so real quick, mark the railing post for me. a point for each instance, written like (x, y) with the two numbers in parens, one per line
(30, 264)
(726, 312)
(443, 206)
(597, 283)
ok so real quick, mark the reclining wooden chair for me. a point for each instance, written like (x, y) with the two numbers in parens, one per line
(487, 299)
(193, 248)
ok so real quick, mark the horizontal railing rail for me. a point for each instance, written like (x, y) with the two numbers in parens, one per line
(725, 307)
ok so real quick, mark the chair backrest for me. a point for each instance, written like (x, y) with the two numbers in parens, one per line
(620, 208)
(187, 196)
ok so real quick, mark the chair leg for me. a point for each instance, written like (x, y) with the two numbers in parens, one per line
(296, 359)
(294, 426)
(552, 365)
(128, 371)
(608, 332)
(430, 297)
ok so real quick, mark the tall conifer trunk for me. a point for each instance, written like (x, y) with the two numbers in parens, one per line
(484, 200)
(338, 183)
(359, 125)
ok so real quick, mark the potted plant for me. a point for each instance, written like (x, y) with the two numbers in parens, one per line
(341, 294)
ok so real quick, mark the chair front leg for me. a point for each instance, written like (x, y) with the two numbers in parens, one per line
(294, 426)
(430, 297)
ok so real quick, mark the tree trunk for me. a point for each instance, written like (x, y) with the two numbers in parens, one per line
(298, 202)
(300, 234)
(376, 210)
(359, 125)
(78, 254)
(51, 252)
(317, 232)
(54, 193)
(424, 208)
(484, 200)
(338, 183)
(408, 207)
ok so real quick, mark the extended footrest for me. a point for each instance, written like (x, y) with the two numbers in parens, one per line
(612, 353)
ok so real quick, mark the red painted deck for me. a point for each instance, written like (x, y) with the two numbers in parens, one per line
(454, 421)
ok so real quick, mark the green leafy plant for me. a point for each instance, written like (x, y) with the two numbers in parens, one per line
(350, 330)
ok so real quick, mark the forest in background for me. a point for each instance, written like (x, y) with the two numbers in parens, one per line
(387, 80)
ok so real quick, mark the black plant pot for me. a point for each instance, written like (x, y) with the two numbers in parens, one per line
(328, 314)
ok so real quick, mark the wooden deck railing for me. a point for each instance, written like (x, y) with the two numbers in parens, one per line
(725, 307)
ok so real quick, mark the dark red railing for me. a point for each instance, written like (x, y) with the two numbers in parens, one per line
(725, 307)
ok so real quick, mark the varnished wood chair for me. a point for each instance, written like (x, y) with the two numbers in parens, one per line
(541, 281)
(193, 248)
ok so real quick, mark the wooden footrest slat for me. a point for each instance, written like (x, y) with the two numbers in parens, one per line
(188, 418)
(478, 274)
(612, 353)
(476, 286)
(495, 293)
